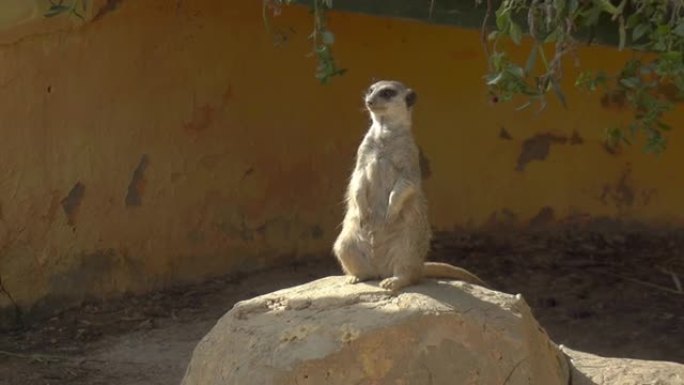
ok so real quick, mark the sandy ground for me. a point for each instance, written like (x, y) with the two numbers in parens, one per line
(609, 296)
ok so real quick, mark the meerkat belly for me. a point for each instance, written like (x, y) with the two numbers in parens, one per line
(380, 179)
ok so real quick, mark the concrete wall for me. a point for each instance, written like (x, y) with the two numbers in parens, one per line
(156, 144)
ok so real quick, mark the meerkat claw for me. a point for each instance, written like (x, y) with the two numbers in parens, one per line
(392, 283)
(353, 280)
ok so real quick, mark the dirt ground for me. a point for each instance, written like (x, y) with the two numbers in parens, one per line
(614, 296)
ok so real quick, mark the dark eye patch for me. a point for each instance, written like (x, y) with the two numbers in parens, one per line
(387, 93)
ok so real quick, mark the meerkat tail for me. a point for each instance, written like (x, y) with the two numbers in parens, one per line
(445, 270)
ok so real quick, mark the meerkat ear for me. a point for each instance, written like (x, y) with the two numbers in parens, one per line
(411, 97)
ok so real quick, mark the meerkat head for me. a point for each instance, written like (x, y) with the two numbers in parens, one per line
(390, 102)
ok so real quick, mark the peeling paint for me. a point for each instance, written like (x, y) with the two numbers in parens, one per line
(502, 218)
(202, 117)
(544, 217)
(137, 186)
(646, 196)
(72, 202)
(248, 172)
(621, 194)
(537, 148)
(576, 139)
(90, 272)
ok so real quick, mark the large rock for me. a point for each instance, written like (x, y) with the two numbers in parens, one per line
(590, 369)
(330, 332)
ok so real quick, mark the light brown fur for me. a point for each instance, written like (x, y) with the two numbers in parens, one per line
(386, 232)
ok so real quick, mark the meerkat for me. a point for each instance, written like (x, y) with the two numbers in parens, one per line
(385, 231)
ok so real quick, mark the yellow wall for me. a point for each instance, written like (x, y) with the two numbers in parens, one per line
(190, 111)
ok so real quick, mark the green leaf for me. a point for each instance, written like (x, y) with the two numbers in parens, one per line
(503, 17)
(663, 29)
(675, 56)
(640, 30)
(498, 59)
(559, 6)
(623, 35)
(655, 143)
(516, 71)
(516, 32)
(583, 80)
(606, 6)
(632, 82)
(327, 38)
(679, 29)
(75, 12)
(523, 106)
(553, 36)
(56, 9)
(495, 80)
(633, 20)
(664, 127)
(559, 93)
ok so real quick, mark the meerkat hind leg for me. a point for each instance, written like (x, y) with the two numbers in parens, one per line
(353, 261)
(395, 283)
(404, 275)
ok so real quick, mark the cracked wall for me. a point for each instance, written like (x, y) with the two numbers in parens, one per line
(157, 144)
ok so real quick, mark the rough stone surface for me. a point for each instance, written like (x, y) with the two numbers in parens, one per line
(330, 332)
(590, 369)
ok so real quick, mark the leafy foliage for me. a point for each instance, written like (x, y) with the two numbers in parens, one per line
(650, 83)
(75, 7)
(321, 36)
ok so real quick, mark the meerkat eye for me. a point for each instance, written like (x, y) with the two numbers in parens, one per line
(387, 93)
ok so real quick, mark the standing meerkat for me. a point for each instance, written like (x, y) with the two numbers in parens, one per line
(386, 232)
